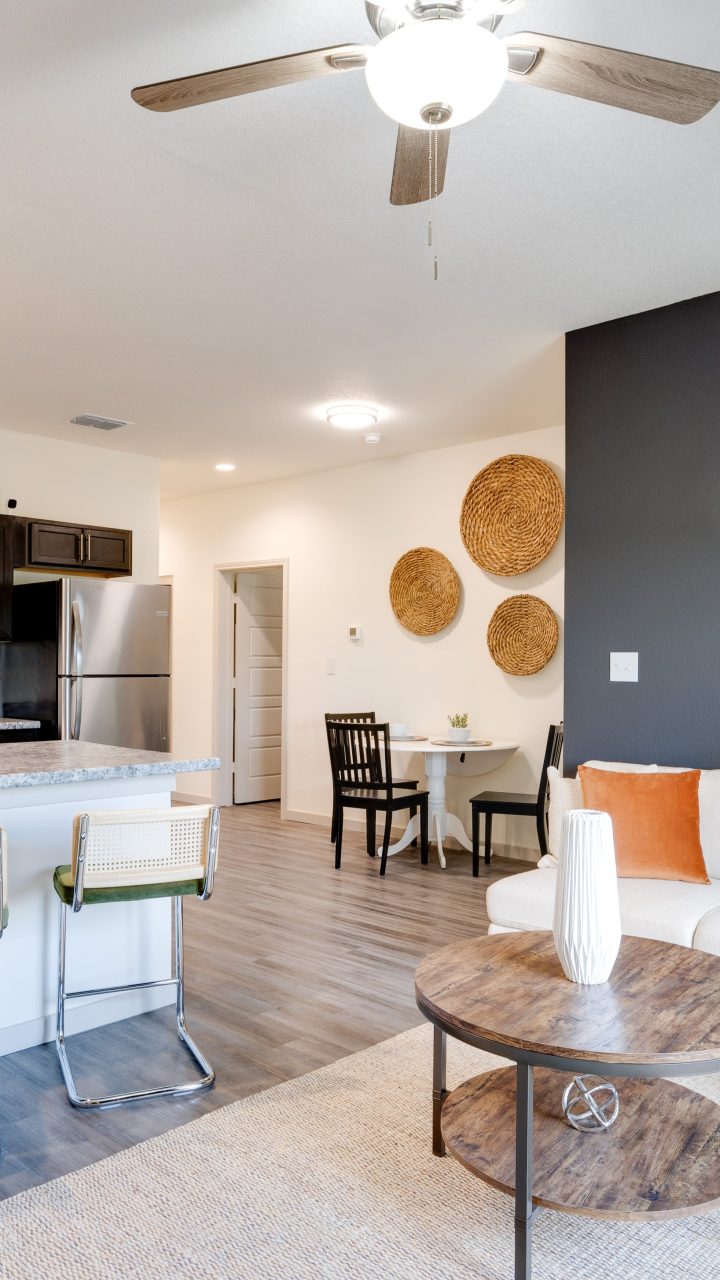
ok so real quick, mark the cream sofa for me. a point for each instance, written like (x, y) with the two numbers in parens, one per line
(687, 914)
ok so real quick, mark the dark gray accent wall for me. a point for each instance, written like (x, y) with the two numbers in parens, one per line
(643, 537)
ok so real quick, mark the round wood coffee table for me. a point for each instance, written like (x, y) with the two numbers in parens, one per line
(658, 1015)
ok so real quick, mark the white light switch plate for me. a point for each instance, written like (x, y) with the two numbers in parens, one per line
(624, 666)
(331, 666)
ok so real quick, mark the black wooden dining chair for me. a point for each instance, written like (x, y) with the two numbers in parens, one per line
(362, 769)
(357, 717)
(490, 802)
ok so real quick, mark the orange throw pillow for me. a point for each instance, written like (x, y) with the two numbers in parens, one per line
(656, 822)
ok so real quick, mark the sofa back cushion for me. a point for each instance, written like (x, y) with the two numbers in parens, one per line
(656, 821)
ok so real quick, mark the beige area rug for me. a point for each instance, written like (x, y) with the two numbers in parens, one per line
(326, 1176)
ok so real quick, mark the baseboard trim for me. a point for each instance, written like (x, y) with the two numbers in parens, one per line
(516, 852)
(83, 1015)
(186, 797)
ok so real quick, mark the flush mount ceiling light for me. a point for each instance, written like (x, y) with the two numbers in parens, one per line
(437, 72)
(224, 466)
(352, 417)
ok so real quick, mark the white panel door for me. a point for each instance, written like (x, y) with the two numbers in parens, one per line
(258, 685)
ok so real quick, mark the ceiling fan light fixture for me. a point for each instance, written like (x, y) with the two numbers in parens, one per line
(352, 417)
(453, 62)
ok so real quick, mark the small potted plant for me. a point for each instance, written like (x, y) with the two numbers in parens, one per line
(459, 730)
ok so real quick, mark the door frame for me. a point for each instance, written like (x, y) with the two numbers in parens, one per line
(224, 631)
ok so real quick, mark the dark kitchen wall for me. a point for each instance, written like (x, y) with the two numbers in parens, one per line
(643, 537)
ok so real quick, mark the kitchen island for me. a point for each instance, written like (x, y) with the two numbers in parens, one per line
(43, 785)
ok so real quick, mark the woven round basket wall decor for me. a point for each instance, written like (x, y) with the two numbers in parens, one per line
(424, 591)
(512, 514)
(522, 635)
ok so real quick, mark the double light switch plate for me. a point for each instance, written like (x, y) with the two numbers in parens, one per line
(624, 667)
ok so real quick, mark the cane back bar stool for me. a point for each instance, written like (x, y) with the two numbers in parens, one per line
(129, 856)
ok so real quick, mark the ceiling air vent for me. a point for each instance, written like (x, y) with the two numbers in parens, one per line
(100, 423)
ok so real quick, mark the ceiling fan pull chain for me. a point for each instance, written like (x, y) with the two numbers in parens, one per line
(430, 190)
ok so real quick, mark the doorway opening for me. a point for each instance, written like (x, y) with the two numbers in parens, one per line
(257, 685)
(250, 685)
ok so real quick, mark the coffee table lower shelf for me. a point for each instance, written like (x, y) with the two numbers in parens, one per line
(660, 1159)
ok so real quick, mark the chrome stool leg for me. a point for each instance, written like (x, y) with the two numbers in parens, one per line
(178, 981)
(204, 1065)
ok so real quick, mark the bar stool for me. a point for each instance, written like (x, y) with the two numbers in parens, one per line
(128, 856)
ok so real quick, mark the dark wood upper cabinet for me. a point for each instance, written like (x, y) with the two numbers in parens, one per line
(6, 576)
(54, 544)
(81, 547)
(108, 549)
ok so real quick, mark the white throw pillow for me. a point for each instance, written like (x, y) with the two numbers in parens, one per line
(565, 793)
(709, 797)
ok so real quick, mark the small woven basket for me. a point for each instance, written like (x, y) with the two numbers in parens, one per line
(424, 591)
(512, 514)
(522, 635)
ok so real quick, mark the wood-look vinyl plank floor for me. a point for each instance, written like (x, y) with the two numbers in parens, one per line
(289, 966)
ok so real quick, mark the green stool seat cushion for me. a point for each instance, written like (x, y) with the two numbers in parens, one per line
(64, 886)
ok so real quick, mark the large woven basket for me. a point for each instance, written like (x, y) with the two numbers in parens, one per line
(424, 591)
(522, 635)
(512, 514)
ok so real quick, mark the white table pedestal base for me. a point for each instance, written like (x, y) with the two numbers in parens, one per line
(441, 824)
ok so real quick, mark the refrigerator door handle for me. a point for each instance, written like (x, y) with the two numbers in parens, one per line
(77, 663)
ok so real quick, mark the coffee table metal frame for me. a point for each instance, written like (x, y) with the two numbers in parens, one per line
(527, 1060)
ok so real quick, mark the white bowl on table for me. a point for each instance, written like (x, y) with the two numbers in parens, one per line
(399, 731)
(458, 735)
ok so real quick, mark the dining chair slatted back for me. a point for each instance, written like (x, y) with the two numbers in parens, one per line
(362, 779)
(360, 754)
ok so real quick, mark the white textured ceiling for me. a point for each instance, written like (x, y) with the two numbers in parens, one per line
(216, 274)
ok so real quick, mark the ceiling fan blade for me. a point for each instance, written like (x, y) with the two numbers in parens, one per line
(651, 86)
(410, 180)
(211, 86)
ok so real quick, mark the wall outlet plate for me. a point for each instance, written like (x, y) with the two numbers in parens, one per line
(624, 667)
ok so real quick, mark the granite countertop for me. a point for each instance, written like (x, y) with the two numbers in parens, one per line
(10, 722)
(38, 764)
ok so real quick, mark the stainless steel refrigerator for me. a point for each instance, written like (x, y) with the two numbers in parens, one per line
(91, 661)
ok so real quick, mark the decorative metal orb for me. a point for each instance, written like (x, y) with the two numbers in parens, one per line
(590, 1104)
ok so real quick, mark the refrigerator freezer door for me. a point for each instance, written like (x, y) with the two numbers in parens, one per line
(119, 711)
(114, 629)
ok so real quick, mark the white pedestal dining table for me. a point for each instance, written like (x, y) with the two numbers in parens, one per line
(476, 760)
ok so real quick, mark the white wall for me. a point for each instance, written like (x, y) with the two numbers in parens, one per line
(342, 532)
(55, 480)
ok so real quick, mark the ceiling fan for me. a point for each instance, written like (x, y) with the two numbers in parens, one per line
(440, 64)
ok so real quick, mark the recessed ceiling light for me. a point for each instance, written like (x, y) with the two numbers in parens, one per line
(224, 466)
(352, 417)
(373, 438)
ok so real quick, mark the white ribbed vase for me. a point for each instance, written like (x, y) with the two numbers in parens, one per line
(586, 923)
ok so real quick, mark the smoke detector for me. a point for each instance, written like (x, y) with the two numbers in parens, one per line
(100, 423)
